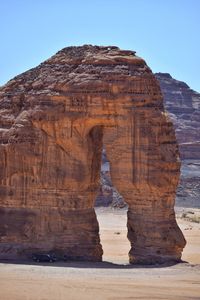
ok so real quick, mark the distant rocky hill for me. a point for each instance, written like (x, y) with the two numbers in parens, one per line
(183, 106)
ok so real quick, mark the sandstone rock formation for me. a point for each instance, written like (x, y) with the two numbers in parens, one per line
(183, 105)
(55, 119)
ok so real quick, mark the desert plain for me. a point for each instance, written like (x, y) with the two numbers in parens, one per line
(114, 278)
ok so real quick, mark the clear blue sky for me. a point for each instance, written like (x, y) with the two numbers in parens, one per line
(166, 33)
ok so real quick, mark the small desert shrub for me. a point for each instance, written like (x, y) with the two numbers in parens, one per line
(184, 215)
(195, 219)
(190, 216)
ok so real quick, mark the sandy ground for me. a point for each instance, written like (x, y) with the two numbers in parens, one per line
(113, 279)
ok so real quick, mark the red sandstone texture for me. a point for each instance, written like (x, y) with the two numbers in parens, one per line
(183, 107)
(54, 120)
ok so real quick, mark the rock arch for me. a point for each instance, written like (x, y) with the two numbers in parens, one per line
(54, 120)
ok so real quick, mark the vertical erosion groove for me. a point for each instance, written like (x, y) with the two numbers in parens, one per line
(95, 145)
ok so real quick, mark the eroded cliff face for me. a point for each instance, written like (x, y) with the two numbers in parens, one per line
(54, 120)
(183, 106)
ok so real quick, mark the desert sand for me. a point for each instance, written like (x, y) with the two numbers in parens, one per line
(114, 278)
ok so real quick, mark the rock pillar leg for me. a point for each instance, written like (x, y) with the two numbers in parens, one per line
(85, 245)
(70, 233)
(78, 238)
(48, 206)
(145, 170)
(154, 234)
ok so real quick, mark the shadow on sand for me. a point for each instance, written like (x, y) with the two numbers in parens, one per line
(91, 265)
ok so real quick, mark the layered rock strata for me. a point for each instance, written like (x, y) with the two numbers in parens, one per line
(54, 120)
(183, 106)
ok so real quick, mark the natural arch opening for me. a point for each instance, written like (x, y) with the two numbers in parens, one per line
(113, 234)
(111, 211)
(108, 195)
(112, 224)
